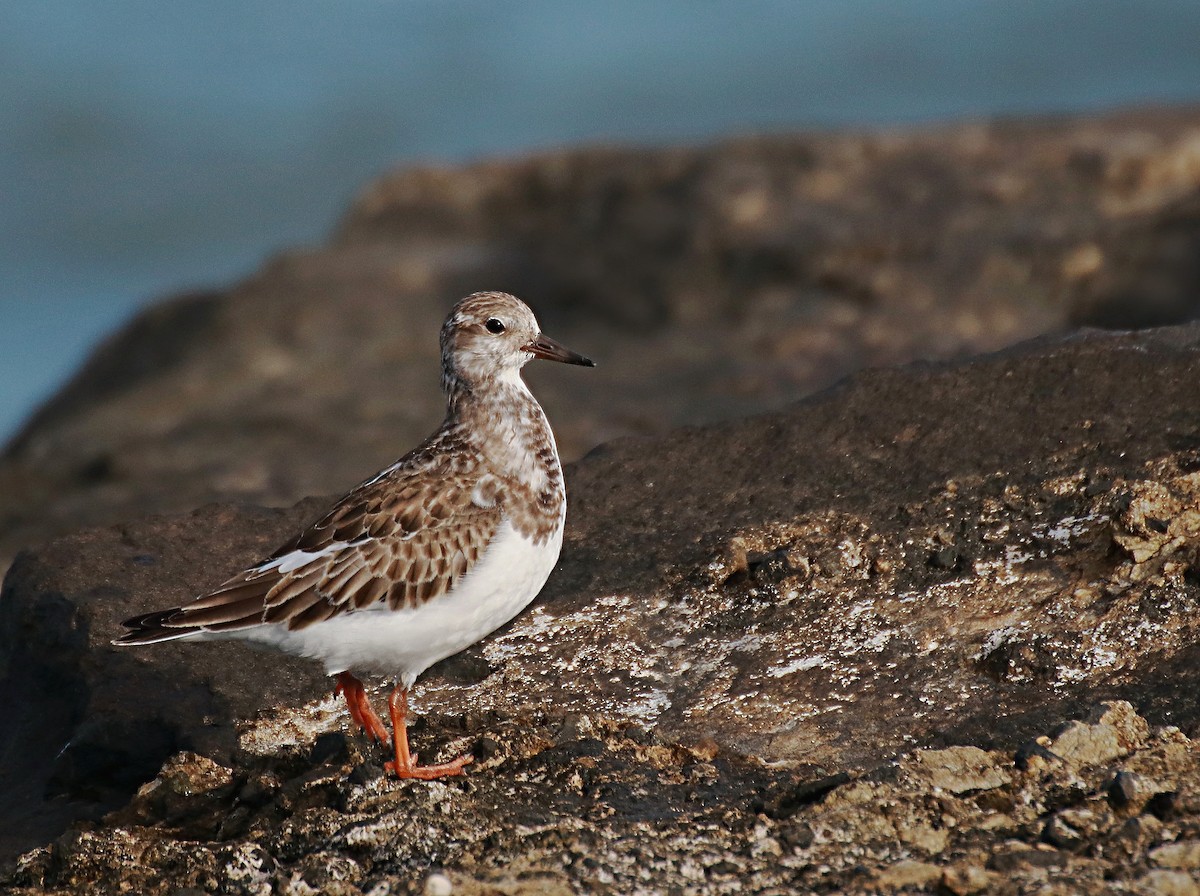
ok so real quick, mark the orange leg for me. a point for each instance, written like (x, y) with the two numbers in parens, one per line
(360, 707)
(405, 765)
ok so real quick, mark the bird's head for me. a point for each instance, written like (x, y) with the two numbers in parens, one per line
(491, 336)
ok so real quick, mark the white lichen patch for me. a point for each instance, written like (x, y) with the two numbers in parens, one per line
(1005, 570)
(1064, 533)
(1107, 646)
(292, 727)
(249, 866)
(799, 664)
(645, 670)
(648, 705)
(998, 637)
(373, 832)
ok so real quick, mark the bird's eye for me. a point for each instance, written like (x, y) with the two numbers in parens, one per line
(495, 325)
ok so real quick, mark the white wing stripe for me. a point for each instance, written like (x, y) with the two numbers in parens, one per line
(295, 559)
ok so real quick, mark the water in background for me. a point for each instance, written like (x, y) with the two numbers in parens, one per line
(150, 147)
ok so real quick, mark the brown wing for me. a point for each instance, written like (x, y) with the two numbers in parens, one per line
(404, 537)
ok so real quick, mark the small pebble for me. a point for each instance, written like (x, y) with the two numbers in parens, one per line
(437, 884)
(1123, 790)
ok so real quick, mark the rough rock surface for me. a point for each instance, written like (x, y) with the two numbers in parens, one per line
(588, 805)
(709, 283)
(952, 558)
(931, 629)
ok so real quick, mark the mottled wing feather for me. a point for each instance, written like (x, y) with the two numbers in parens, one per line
(403, 538)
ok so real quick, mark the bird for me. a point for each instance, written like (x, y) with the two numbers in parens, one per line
(425, 558)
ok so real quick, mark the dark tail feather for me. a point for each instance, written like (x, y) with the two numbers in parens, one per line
(151, 628)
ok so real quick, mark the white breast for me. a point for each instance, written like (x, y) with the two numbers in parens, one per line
(404, 643)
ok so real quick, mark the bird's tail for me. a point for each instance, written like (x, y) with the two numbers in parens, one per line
(152, 628)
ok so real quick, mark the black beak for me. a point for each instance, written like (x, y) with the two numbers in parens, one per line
(545, 347)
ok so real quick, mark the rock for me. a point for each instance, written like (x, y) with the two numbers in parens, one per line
(959, 769)
(649, 560)
(1167, 883)
(172, 793)
(1035, 754)
(1128, 790)
(437, 884)
(1116, 729)
(1016, 858)
(1184, 855)
(1131, 729)
(1075, 826)
(908, 873)
(710, 282)
(786, 802)
(1082, 744)
(545, 819)
(92, 732)
(789, 651)
(1158, 521)
(1059, 832)
(963, 880)
(1133, 838)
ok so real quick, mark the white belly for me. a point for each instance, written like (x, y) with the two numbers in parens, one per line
(404, 643)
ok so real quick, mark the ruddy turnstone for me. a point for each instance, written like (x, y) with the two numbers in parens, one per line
(432, 554)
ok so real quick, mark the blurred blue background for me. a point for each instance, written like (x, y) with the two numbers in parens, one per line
(149, 147)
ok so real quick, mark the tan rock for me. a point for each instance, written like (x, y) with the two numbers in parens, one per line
(908, 873)
(1184, 855)
(963, 879)
(960, 769)
(1167, 883)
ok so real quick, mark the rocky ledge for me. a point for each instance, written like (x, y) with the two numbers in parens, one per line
(831, 648)
(709, 283)
(579, 804)
(931, 629)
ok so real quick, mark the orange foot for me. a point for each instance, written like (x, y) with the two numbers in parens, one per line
(360, 707)
(405, 764)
